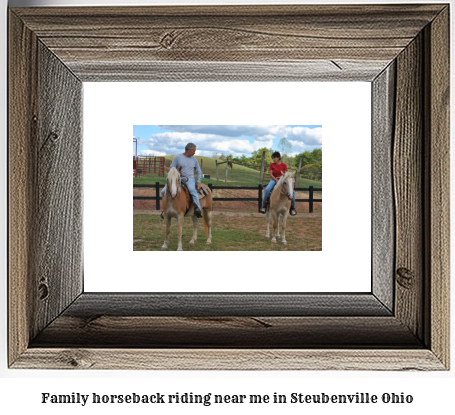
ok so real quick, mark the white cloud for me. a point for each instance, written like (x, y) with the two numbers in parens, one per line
(152, 153)
(230, 139)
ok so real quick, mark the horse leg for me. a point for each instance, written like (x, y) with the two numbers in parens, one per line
(277, 235)
(274, 225)
(208, 223)
(267, 215)
(283, 238)
(195, 225)
(168, 228)
(179, 231)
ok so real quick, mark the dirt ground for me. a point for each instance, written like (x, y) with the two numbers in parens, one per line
(237, 226)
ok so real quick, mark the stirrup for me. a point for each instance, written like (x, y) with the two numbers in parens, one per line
(292, 211)
(198, 213)
(162, 215)
(262, 210)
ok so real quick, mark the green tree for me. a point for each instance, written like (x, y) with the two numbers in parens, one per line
(242, 159)
(311, 160)
(256, 156)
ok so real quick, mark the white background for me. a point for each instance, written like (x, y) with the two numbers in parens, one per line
(20, 390)
(111, 110)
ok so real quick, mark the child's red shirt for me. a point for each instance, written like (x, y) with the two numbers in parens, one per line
(278, 169)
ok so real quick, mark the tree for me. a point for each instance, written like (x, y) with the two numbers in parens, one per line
(256, 156)
(214, 155)
(242, 159)
(285, 147)
(310, 158)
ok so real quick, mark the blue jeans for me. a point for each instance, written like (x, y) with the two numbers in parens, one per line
(268, 189)
(191, 184)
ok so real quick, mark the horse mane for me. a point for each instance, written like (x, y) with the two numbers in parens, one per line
(282, 179)
(173, 172)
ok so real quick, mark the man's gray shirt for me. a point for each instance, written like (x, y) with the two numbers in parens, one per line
(188, 165)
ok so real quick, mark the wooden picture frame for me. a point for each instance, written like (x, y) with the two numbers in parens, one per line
(402, 324)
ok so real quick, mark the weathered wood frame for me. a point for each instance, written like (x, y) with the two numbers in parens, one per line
(403, 50)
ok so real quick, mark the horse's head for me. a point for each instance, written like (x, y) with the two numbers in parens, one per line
(174, 181)
(288, 184)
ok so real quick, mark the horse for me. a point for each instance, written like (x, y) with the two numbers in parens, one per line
(175, 206)
(230, 164)
(279, 204)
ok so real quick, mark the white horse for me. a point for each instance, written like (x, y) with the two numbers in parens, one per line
(279, 204)
(178, 203)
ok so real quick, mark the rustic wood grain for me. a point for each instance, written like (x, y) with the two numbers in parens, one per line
(57, 271)
(438, 211)
(235, 359)
(53, 49)
(310, 71)
(21, 130)
(213, 305)
(383, 215)
(256, 332)
(321, 34)
(407, 175)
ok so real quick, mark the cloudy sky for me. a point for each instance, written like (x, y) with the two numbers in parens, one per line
(160, 140)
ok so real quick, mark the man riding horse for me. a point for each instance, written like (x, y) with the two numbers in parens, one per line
(188, 163)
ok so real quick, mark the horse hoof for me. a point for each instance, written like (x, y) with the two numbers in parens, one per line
(180, 249)
(284, 243)
(209, 242)
(191, 242)
(273, 239)
(164, 247)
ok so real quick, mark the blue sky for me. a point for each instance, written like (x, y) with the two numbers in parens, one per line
(160, 140)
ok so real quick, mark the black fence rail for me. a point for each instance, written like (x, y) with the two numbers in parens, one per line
(157, 186)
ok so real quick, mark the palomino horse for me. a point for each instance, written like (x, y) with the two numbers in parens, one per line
(175, 206)
(279, 204)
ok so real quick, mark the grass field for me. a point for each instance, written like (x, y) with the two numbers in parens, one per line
(230, 232)
(237, 176)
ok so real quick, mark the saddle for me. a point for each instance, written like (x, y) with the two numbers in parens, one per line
(202, 192)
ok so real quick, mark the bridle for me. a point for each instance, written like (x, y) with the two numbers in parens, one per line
(285, 186)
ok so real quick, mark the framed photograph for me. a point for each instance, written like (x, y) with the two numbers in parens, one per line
(402, 323)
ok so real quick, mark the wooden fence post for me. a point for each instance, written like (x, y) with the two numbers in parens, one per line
(216, 166)
(311, 199)
(158, 195)
(202, 170)
(261, 174)
(259, 196)
(298, 172)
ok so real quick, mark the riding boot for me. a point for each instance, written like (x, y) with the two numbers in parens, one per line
(162, 215)
(263, 209)
(292, 210)
(198, 212)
